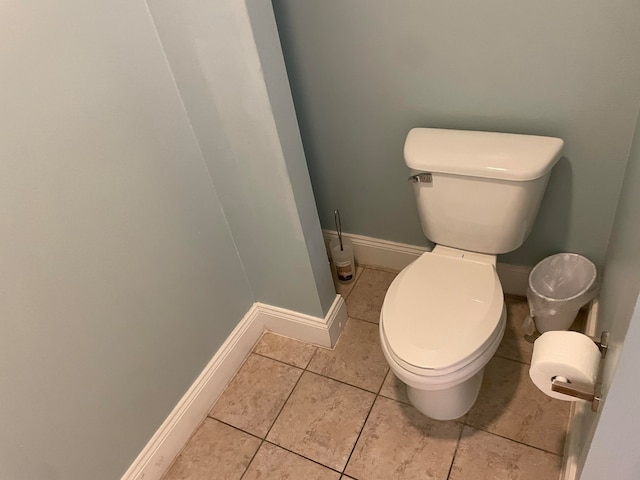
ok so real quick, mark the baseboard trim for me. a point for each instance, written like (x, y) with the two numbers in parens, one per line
(177, 429)
(323, 332)
(576, 433)
(395, 256)
(514, 278)
(169, 440)
(376, 252)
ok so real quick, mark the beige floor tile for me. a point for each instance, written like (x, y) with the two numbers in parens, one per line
(510, 405)
(274, 463)
(357, 358)
(514, 344)
(216, 452)
(322, 420)
(399, 442)
(482, 455)
(365, 301)
(394, 388)
(345, 289)
(285, 349)
(255, 396)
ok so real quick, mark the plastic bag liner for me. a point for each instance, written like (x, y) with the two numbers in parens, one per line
(558, 287)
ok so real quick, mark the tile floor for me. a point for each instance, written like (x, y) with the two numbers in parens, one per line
(296, 411)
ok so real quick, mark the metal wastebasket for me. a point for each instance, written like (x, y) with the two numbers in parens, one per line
(558, 287)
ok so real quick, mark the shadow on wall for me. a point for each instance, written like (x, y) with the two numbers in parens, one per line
(551, 228)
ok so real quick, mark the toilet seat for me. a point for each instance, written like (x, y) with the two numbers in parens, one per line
(441, 313)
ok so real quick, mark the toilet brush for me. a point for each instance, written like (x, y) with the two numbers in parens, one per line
(342, 253)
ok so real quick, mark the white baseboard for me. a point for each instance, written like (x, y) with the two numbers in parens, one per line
(514, 278)
(576, 430)
(169, 440)
(323, 332)
(395, 256)
(376, 252)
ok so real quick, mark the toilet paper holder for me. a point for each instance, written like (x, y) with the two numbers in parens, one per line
(585, 392)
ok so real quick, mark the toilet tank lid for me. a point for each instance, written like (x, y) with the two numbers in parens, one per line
(504, 156)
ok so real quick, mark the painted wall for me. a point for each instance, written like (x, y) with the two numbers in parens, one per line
(243, 116)
(613, 452)
(363, 72)
(119, 276)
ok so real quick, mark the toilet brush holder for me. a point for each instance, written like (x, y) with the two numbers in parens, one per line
(343, 259)
(342, 253)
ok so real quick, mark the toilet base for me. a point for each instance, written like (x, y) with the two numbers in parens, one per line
(449, 403)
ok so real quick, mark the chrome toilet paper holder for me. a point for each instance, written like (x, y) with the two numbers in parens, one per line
(585, 392)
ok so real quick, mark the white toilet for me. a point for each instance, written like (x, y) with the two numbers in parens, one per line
(443, 316)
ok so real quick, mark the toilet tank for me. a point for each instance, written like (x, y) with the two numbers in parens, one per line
(484, 188)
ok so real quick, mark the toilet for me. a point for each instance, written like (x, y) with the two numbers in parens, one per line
(443, 316)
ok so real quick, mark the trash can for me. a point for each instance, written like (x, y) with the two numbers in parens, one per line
(558, 287)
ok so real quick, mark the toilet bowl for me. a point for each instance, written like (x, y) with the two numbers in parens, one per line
(442, 320)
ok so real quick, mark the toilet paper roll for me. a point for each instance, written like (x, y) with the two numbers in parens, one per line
(571, 355)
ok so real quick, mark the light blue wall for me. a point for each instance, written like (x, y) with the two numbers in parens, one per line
(241, 110)
(363, 72)
(265, 34)
(614, 453)
(119, 274)
(119, 277)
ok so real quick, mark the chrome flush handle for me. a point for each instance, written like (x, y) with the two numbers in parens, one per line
(421, 178)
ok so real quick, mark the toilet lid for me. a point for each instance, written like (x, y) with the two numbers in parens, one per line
(441, 310)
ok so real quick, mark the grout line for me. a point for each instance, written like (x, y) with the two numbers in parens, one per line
(320, 375)
(318, 348)
(252, 459)
(346, 295)
(364, 320)
(183, 448)
(306, 369)
(512, 359)
(513, 440)
(366, 419)
(283, 405)
(263, 440)
(342, 382)
(398, 401)
(355, 282)
(248, 433)
(455, 452)
(367, 321)
(302, 456)
(280, 411)
(236, 428)
(315, 350)
(282, 361)
(274, 420)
